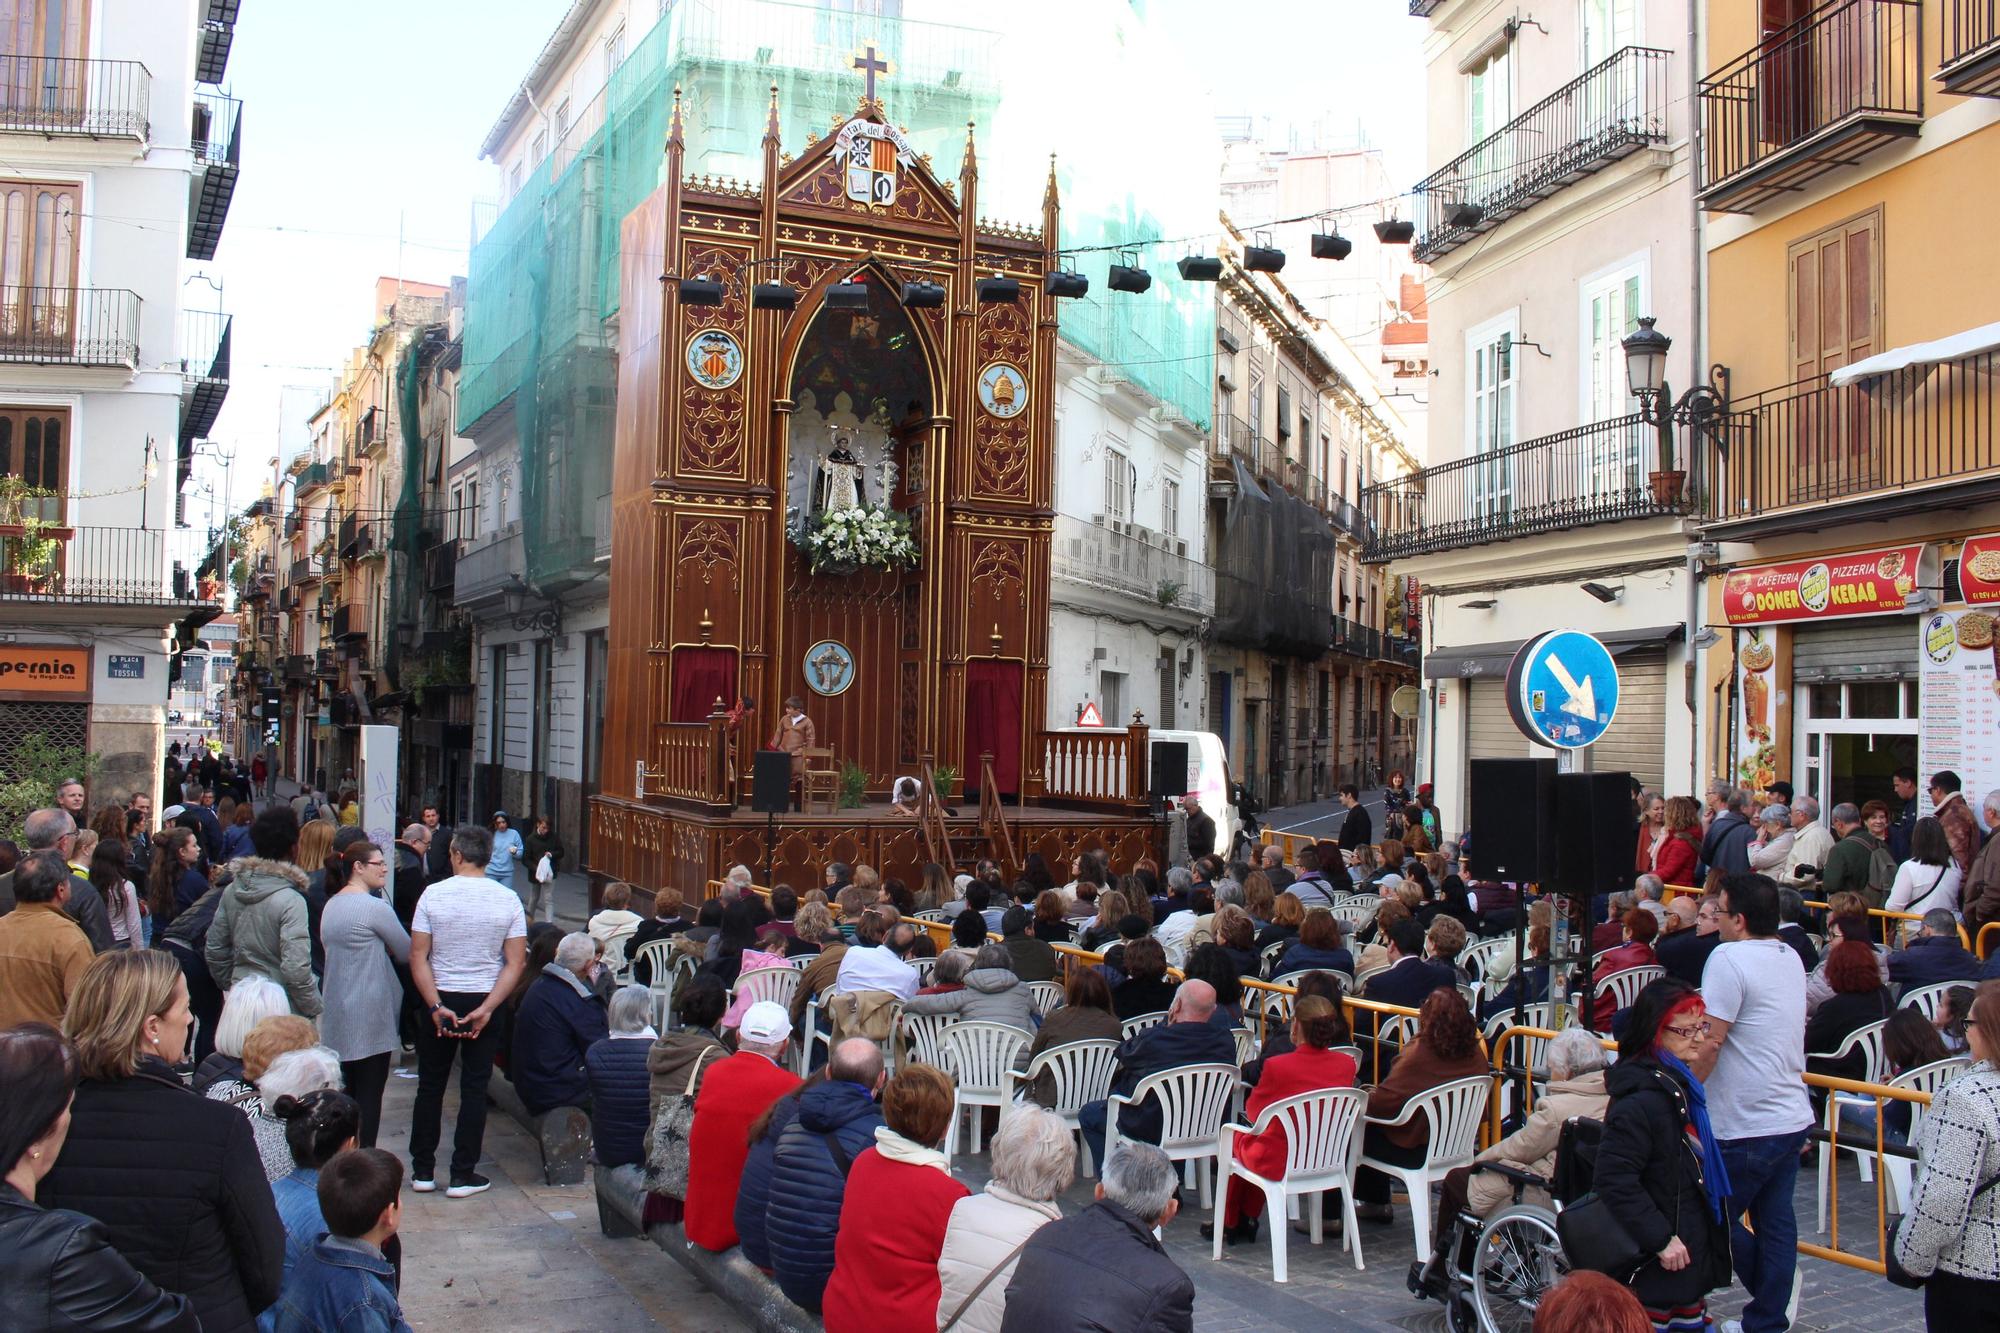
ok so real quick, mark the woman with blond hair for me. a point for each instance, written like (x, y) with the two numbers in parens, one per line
(173, 1177)
(273, 1037)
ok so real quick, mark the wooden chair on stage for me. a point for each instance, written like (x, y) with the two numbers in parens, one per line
(819, 781)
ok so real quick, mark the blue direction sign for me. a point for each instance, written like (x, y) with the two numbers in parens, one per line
(1562, 689)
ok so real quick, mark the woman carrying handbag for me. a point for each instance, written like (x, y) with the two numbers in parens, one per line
(1659, 1173)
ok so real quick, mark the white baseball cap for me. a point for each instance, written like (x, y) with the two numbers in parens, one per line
(766, 1022)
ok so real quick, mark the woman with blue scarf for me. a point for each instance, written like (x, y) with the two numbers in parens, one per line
(1659, 1169)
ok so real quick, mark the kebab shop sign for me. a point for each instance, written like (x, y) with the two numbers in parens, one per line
(1860, 583)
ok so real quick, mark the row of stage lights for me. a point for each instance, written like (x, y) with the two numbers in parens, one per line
(1125, 276)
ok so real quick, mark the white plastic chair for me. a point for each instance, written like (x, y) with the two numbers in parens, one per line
(1082, 1072)
(1929, 999)
(778, 983)
(1047, 997)
(1625, 985)
(923, 1034)
(1478, 955)
(658, 956)
(924, 968)
(1356, 912)
(1268, 956)
(1924, 1078)
(1364, 975)
(1138, 1023)
(1292, 978)
(1455, 1111)
(1193, 1100)
(1246, 1045)
(979, 1057)
(1322, 1146)
(1867, 1042)
(1275, 1007)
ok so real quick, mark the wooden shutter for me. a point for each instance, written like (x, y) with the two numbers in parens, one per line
(1836, 296)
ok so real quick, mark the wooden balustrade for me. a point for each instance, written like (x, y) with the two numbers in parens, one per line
(1097, 768)
(693, 762)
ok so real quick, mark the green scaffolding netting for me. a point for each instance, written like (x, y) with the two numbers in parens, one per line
(543, 281)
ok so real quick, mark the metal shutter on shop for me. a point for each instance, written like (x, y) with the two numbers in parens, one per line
(1636, 741)
(1490, 729)
(1884, 648)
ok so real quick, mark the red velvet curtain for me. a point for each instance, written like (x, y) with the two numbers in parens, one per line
(993, 724)
(701, 676)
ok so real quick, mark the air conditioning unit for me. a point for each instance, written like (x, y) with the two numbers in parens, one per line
(1097, 520)
(1118, 525)
(1413, 367)
(1180, 549)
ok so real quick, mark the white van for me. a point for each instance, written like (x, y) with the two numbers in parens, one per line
(1208, 776)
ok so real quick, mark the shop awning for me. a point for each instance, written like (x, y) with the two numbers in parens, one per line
(1492, 659)
(1958, 346)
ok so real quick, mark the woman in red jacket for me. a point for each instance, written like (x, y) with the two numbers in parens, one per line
(734, 1092)
(1637, 951)
(1675, 855)
(893, 1215)
(1311, 1067)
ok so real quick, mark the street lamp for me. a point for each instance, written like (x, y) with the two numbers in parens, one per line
(1700, 408)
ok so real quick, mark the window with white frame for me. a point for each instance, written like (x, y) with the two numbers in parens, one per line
(1170, 507)
(614, 51)
(1117, 485)
(1609, 305)
(1608, 26)
(562, 120)
(1489, 426)
(538, 149)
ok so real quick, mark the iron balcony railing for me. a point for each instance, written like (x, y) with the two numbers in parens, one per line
(1125, 563)
(1590, 474)
(441, 567)
(69, 326)
(1615, 108)
(1352, 637)
(216, 140)
(1789, 452)
(95, 99)
(347, 624)
(312, 478)
(1969, 61)
(205, 337)
(1837, 84)
(109, 566)
(1235, 440)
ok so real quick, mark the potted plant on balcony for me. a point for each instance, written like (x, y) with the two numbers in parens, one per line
(29, 542)
(1666, 480)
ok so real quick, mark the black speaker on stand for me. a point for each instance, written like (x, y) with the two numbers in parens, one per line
(1511, 813)
(771, 795)
(1166, 778)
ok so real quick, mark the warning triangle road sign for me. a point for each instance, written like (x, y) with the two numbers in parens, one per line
(1088, 716)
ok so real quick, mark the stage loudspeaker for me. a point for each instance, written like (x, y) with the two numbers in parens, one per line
(1594, 833)
(1168, 772)
(771, 784)
(1511, 814)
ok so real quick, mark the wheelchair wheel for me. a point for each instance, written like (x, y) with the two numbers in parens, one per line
(1459, 1314)
(1519, 1258)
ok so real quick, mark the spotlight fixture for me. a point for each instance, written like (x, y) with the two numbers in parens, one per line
(1479, 604)
(773, 296)
(998, 290)
(702, 290)
(1127, 276)
(1263, 258)
(922, 295)
(1331, 245)
(1200, 268)
(852, 296)
(1603, 592)
(1395, 231)
(1466, 214)
(1065, 282)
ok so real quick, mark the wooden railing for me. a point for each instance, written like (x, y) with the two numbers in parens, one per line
(1097, 768)
(693, 761)
(930, 815)
(993, 820)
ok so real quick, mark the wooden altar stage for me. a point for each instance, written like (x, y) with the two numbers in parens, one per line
(655, 845)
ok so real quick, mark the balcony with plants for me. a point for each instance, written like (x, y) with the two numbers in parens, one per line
(1822, 93)
(47, 560)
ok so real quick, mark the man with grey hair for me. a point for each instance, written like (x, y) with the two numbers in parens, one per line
(468, 947)
(70, 797)
(1647, 893)
(1186, 1038)
(1848, 867)
(1935, 956)
(1979, 900)
(560, 1017)
(1034, 1160)
(1727, 845)
(1812, 841)
(1271, 860)
(53, 830)
(870, 964)
(1105, 1267)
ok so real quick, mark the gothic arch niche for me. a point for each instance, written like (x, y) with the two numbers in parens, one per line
(863, 390)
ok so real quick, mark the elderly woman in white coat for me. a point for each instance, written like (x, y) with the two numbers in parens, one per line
(1773, 844)
(1034, 1161)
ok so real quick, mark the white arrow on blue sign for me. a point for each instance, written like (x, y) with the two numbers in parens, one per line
(1562, 689)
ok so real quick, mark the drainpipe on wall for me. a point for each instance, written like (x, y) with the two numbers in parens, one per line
(1697, 357)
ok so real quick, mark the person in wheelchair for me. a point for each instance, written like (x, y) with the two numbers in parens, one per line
(1576, 1065)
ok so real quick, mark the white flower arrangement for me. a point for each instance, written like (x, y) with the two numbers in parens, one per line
(866, 537)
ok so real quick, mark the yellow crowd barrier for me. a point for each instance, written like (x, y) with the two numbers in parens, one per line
(1883, 915)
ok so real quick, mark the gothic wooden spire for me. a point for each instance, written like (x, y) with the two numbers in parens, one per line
(1051, 207)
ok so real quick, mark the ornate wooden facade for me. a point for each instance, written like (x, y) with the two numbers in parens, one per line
(710, 599)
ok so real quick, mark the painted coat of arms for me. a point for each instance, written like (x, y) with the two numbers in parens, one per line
(713, 359)
(873, 156)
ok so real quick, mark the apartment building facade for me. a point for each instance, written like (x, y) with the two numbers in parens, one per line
(108, 114)
(1852, 484)
(1557, 212)
(1306, 645)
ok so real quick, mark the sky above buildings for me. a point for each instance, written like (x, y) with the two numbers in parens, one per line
(362, 125)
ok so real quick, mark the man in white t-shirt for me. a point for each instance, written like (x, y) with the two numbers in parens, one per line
(870, 965)
(468, 947)
(1755, 988)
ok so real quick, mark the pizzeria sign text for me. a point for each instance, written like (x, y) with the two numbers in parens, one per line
(1858, 583)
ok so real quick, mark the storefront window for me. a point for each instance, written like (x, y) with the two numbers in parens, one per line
(1823, 700)
(1874, 698)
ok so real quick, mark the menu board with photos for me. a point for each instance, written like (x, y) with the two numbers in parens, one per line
(1959, 701)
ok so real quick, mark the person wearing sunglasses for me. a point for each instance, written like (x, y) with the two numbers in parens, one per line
(363, 995)
(1659, 1168)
